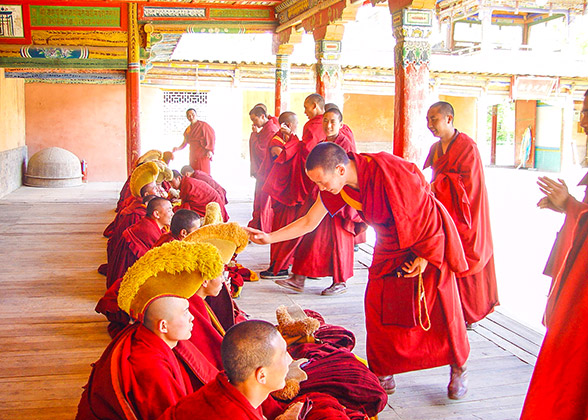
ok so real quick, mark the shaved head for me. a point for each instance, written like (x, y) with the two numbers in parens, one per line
(148, 189)
(336, 112)
(184, 219)
(317, 99)
(330, 106)
(326, 156)
(288, 117)
(163, 308)
(443, 107)
(258, 111)
(246, 347)
(156, 203)
(186, 169)
(261, 106)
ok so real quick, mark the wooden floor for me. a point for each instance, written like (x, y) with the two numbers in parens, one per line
(49, 333)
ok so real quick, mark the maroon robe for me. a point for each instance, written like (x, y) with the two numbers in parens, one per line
(125, 193)
(560, 379)
(328, 250)
(139, 376)
(458, 182)
(201, 138)
(165, 238)
(196, 194)
(262, 215)
(207, 333)
(132, 213)
(217, 400)
(108, 306)
(396, 200)
(134, 242)
(203, 176)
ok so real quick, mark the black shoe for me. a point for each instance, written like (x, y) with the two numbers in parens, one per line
(269, 274)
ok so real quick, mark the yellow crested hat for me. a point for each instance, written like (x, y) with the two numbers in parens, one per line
(175, 268)
(165, 173)
(150, 156)
(228, 238)
(143, 175)
(213, 214)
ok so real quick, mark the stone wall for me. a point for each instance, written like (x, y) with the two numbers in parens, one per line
(12, 167)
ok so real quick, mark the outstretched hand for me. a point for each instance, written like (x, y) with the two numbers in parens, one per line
(415, 268)
(257, 236)
(556, 194)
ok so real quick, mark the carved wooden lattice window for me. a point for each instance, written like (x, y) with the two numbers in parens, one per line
(175, 105)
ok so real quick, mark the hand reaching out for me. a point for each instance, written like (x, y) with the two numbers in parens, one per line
(257, 236)
(556, 194)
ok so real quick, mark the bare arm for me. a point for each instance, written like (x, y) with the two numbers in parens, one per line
(184, 143)
(297, 228)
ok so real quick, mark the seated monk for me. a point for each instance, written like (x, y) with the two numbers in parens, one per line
(183, 223)
(256, 363)
(149, 366)
(196, 194)
(142, 183)
(334, 370)
(203, 176)
(136, 240)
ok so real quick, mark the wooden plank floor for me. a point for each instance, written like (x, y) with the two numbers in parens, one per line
(49, 333)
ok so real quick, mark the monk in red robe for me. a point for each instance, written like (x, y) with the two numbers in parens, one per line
(196, 194)
(267, 127)
(285, 203)
(413, 316)
(201, 138)
(150, 365)
(203, 176)
(560, 379)
(288, 183)
(327, 250)
(458, 182)
(136, 240)
(183, 223)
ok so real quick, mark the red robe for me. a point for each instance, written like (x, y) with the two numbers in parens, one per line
(125, 193)
(203, 176)
(396, 201)
(132, 245)
(207, 333)
(217, 400)
(560, 379)
(139, 375)
(259, 151)
(196, 194)
(165, 238)
(201, 138)
(328, 250)
(291, 190)
(132, 213)
(458, 182)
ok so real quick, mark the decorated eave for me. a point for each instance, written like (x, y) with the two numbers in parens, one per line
(509, 11)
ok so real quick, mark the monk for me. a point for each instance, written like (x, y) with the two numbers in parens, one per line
(201, 138)
(267, 126)
(187, 170)
(288, 183)
(283, 207)
(150, 365)
(196, 194)
(183, 223)
(560, 379)
(328, 250)
(458, 182)
(413, 316)
(136, 240)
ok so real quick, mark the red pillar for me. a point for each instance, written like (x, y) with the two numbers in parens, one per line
(329, 76)
(412, 29)
(133, 83)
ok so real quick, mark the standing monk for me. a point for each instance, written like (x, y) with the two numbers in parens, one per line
(413, 315)
(560, 379)
(458, 182)
(258, 145)
(201, 138)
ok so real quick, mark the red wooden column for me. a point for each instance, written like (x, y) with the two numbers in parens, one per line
(282, 94)
(133, 83)
(328, 73)
(412, 28)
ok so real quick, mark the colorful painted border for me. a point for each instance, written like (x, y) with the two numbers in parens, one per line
(65, 22)
(166, 12)
(26, 29)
